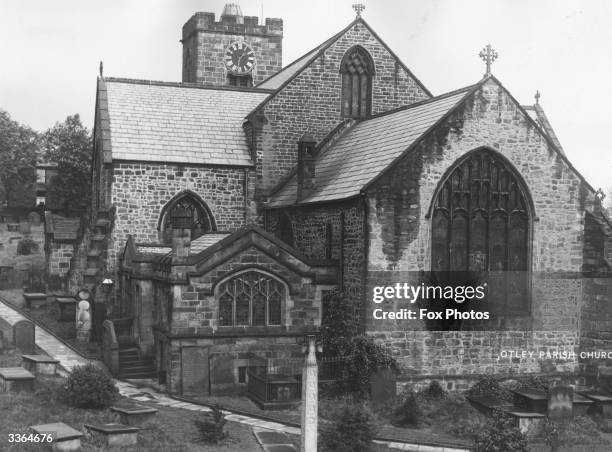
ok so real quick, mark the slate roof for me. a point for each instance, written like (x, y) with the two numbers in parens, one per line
(62, 228)
(205, 241)
(174, 122)
(368, 149)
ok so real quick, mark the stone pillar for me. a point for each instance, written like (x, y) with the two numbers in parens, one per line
(310, 398)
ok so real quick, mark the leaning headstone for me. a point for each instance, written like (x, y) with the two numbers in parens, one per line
(560, 400)
(24, 336)
(383, 386)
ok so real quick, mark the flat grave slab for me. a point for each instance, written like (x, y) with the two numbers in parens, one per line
(581, 404)
(65, 438)
(134, 415)
(602, 403)
(40, 364)
(528, 422)
(115, 435)
(15, 379)
(35, 300)
(531, 400)
(66, 308)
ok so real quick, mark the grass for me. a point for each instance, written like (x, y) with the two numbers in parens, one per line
(171, 431)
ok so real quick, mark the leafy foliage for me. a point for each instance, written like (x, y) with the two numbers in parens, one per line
(408, 413)
(362, 356)
(352, 430)
(18, 149)
(69, 146)
(89, 386)
(489, 385)
(211, 429)
(500, 435)
(434, 391)
(579, 430)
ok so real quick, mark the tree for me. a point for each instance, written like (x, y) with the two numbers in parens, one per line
(69, 146)
(18, 151)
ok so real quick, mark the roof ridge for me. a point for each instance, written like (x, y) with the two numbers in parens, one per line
(423, 102)
(186, 85)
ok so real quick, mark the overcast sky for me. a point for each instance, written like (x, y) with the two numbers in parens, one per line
(50, 52)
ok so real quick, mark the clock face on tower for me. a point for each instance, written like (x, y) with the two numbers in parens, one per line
(239, 58)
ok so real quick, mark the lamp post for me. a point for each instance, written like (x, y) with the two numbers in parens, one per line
(100, 309)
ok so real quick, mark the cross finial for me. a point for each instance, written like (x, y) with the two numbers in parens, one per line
(358, 7)
(600, 194)
(488, 55)
(537, 97)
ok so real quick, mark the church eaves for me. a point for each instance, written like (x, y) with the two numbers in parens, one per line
(179, 123)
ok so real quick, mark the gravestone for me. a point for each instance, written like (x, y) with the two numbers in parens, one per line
(34, 218)
(24, 337)
(383, 386)
(25, 228)
(560, 401)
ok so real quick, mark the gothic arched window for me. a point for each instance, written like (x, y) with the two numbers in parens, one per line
(481, 224)
(357, 70)
(251, 298)
(201, 220)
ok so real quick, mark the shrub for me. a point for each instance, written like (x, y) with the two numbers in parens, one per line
(89, 386)
(454, 414)
(434, 391)
(26, 247)
(352, 430)
(362, 356)
(211, 429)
(500, 435)
(569, 432)
(408, 413)
(489, 385)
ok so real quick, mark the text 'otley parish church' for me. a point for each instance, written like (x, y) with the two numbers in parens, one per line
(227, 206)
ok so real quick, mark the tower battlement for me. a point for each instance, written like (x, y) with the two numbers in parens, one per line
(249, 25)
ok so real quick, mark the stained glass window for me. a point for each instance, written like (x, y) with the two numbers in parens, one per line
(251, 298)
(480, 223)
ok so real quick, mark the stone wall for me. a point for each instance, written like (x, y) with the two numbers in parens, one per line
(328, 232)
(141, 190)
(311, 102)
(60, 256)
(205, 42)
(400, 234)
(195, 308)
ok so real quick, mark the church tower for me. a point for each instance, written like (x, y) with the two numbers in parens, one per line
(236, 51)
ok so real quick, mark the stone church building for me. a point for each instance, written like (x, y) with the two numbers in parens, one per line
(226, 206)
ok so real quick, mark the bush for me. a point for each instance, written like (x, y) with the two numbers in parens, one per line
(352, 430)
(26, 247)
(489, 385)
(211, 429)
(89, 387)
(434, 391)
(340, 337)
(453, 414)
(500, 435)
(569, 432)
(409, 413)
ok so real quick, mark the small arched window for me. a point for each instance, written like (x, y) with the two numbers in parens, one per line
(200, 217)
(357, 70)
(251, 298)
(480, 224)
